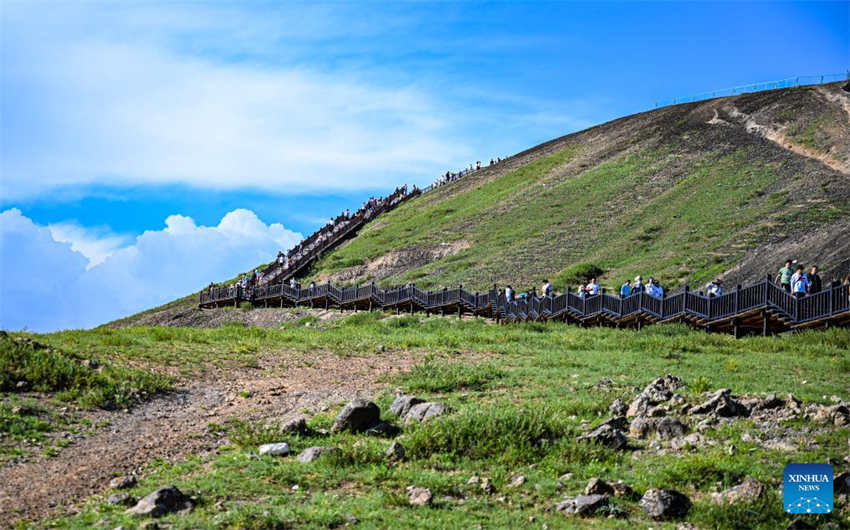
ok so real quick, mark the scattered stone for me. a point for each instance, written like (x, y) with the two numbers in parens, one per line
(706, 424)
(638, 407)
(516, 481)
(665, 504)
(691, 440)
(662, 388)
(419, 496)
(90, 364)
(749, 489)
(607, 436)
(583, 504)
(123, 482)
(384, 429)
(149, 525)
(722, 404)
(276, 449)
(618, 407)
(296, 425)
(401, 405)
(357, 416)
(488, 487)
(350, 518)
(770, 402)
(597, 486)
(162, 501)
(474, 479)
(395, 452)
(838, 415)
(312, 453)
(670, 428)
(641, 427)
(425, 411)
(122, 498)
(841, 484)
(793, 402)
(799, 524)
(622, 490)
(617, 422)
(566, 477)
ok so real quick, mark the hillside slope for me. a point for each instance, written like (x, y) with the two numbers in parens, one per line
(729, 186)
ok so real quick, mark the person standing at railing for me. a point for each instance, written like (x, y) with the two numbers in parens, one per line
(592, 287)
(799, 282)
(783, 278)
(509, 293)
(846, 285)
(581, 291)
(638, 285)
(547, 287)
(626, 289)
(815, 283)
(714, 288)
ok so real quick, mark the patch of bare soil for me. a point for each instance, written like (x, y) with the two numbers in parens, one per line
(193, 317)
(395, 262)
(175, 426)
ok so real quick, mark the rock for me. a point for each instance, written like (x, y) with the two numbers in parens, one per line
(665, 504)
(357, 416)
(722, 404)
(799, 524)
(662, 388)
(275, 449)
(641, 426)
(296, 426)
(618, 407)
(474, 479)
(691, 440)
(120, 498)
(425, 411)
(706, 424)
(770, 402)
(312, 453)
(566, 477)
(841, 484)
(793, 403)
(638, 407)
(149, 525)
(401, 405)
(162, 501)
(419, 496)
(838, 415)
(123, 482)
(622, 490)
(617, 422)
(395, 452)
(350, 518)
(488, 487)
(516, 481)
(749, 489)
(583, 504)
(607, 436)
(384, 429)
(597, 486)
(90, 364)
(670, 428)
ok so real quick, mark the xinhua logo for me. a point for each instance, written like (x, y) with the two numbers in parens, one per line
(807, 488)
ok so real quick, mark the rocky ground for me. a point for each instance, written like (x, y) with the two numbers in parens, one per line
(174, 426)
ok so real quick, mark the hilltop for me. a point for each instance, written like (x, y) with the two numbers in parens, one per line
(730, 186)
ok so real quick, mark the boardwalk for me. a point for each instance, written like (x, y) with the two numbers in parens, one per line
(763, 308)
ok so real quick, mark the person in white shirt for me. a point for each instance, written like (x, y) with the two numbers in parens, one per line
(509, 293)
(799, 283)
(293, 283)
(547, 288)
(592, 287)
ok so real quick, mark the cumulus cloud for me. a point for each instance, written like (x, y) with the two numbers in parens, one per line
(47, 285)
(95, 245)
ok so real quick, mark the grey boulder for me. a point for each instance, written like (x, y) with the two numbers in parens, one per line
(357, 416)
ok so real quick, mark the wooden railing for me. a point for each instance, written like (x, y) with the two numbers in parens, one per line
(763, 302)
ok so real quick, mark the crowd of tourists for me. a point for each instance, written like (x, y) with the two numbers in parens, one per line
(450, 177)
(793, 278)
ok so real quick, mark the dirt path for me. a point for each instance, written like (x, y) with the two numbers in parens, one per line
(174, 426)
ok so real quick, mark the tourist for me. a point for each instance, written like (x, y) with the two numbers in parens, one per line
(292, 283)
(593, 287)
(547, 287)
(649, 288)
(638, 285)
(799, 282)
(714, 288)
(626, 289)
(783, 278)
(815, 284)
(582, 291)
(846, 285)
(509, 293)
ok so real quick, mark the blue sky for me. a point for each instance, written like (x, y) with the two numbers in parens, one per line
(116, 117)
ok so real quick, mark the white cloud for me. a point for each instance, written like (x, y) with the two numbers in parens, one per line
(46, 285)
(95, 245)
(116, 107)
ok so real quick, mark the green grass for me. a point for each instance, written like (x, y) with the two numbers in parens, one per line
(27, 368)
(520, 395)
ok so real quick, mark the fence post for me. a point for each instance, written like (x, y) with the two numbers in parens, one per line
(832, 285)
(737, 297)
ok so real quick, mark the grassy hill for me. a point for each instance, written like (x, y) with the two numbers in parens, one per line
(727, 186)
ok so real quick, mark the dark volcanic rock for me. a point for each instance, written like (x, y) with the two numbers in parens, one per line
(162, 501)
(425, 411)
(607, 436)
(583, 504)
(665, 504)
(670, 428)
(401, 405)
(357, 416)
